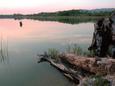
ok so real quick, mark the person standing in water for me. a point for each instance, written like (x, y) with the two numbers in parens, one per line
(21, 24)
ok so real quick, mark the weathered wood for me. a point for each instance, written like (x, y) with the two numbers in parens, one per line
(71, 75)
(97, 66)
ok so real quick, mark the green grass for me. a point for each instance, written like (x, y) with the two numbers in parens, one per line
(89, 53)
(53, 53)
(96, 81)
(75, 49)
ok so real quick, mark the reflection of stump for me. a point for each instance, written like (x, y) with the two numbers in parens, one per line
(104, 37)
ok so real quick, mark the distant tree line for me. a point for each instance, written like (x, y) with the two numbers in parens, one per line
(63, 13)
(76, 13)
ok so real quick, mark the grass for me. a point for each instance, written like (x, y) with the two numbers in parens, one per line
(53, 53)
(77, 50)
(96, 81)
(73, 49)
(89, 53)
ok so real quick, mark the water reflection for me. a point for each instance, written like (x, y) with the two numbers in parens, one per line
(68, 20)
(21, 46)
(4, 50)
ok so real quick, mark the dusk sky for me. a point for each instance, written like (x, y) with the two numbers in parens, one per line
(36, 6)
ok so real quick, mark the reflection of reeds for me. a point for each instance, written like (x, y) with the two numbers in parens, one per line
(7, 47)
(3, 50)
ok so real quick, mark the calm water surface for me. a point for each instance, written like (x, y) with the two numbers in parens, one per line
(20, 45)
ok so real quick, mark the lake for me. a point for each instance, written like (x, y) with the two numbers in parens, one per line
(19, 47)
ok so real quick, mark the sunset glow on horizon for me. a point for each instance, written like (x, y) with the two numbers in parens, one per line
(36, 6)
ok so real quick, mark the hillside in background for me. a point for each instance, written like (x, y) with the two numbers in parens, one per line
(81, 12)
(68, 16)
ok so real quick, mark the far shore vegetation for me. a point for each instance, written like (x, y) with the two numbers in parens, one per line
(69, 16)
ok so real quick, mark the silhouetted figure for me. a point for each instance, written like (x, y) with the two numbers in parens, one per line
(103, 42)
(21, 24)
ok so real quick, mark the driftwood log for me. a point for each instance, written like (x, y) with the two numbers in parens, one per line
(98, 66)
(68, 72)
(76, 68)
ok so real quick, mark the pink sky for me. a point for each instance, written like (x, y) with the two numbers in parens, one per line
(36, 6)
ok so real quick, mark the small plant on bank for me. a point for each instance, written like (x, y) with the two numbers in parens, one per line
(96, 81)
(89, 53)
(53, 53)
(75, 49)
